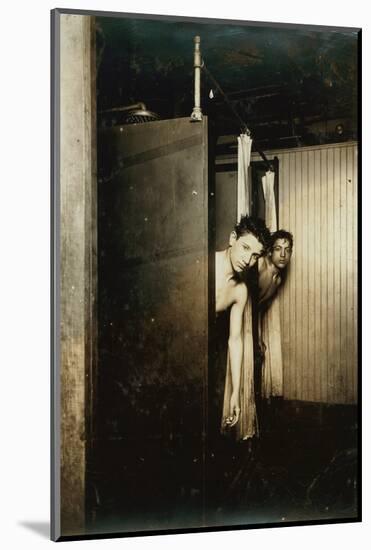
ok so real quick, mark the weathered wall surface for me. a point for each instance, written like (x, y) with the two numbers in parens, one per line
(153, 321)
(77, 260)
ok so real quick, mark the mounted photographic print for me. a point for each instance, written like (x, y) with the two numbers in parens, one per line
(204, 274)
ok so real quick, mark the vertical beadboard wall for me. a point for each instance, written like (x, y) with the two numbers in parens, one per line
(318, 204)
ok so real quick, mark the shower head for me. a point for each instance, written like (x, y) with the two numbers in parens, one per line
(134, 114)
(140, 115)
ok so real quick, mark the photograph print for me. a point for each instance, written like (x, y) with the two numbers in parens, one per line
(205, 370)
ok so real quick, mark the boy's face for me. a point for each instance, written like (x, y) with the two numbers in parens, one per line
(245, 251)
(281, 253)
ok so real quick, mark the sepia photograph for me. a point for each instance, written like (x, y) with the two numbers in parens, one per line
(205, 236)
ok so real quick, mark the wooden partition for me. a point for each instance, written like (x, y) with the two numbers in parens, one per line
(318, 204)
(148, 463)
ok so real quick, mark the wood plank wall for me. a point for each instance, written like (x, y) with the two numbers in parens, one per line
(318, 204)
(75, 253)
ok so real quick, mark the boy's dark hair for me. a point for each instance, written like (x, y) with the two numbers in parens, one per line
(281, 234)
(256, 227)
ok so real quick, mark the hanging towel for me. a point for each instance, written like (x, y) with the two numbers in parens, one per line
(272, 381)
(243, 187)
(270, 203)
(247, 426)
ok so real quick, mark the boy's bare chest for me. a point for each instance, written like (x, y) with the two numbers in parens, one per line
(225, 294)
(268, 284)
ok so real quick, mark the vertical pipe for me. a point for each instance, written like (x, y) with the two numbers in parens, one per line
(196, 115)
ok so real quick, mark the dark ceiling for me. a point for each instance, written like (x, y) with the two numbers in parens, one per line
(291, 86)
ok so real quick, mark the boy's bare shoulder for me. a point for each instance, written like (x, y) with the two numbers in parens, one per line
(262, 264)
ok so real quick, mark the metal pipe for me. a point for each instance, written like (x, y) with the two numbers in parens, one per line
(196, 115)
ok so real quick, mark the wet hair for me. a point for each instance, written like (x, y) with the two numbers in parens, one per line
(256, 227)
(281, 234)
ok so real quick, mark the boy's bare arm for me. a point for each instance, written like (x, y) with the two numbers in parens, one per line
(235, 346)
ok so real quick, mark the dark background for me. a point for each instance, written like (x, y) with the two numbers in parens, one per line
(291, 86)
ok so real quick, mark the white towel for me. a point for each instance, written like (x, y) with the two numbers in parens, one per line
(270, 203)
(272, 382)
(247, 425)
(243, 187)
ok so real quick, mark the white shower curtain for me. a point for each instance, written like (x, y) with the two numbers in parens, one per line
(247, 425)
(243, 183)
(270, 203)
(272, 380)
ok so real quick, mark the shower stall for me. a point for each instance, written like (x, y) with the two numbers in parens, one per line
(143, 361)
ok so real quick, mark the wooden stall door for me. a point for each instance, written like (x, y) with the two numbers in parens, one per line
(147, 462)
